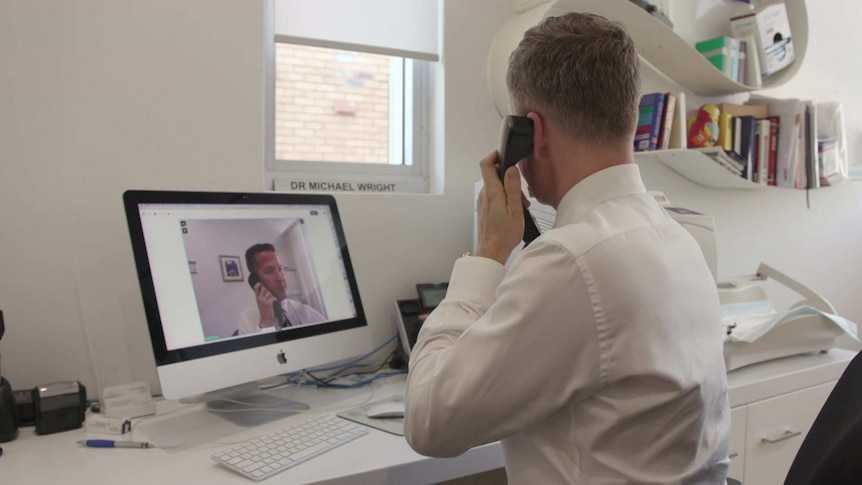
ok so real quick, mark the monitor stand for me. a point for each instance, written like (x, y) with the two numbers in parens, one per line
(247, 405)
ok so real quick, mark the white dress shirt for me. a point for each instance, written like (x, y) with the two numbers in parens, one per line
(595, 359)
(297, 314)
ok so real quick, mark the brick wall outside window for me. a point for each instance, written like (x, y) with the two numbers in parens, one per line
(331, 105)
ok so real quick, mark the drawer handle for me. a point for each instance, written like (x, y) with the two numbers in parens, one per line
(785, 434)
(733, 455)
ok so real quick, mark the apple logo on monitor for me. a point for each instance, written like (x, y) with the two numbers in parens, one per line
(281, 358)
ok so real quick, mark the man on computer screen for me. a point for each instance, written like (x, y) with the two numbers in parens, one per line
(596, 358)
(274, 309)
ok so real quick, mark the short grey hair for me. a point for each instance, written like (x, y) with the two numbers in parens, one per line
(582, 71)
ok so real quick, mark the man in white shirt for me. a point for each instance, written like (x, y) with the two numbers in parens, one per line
(274, 309)
(596, 358)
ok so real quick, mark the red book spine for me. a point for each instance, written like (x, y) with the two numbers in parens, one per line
(773, 149)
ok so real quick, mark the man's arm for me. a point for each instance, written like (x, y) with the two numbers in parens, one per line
(488, 366)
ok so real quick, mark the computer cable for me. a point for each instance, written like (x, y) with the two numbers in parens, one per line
(342, 372)
(358, 359)
(354, 385)
(299, 377)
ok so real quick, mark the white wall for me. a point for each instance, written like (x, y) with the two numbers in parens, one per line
(97, 96)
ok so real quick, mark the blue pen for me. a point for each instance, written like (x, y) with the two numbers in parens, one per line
(115, 444)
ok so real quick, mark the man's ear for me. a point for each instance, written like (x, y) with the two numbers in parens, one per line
(540, 135)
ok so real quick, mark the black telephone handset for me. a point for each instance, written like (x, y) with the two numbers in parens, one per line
(253, 279)
(516, 143)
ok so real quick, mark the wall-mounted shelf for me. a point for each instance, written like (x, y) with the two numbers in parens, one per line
(698, 168)
(667, 51)
(674, 56)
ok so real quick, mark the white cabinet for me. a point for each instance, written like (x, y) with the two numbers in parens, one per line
(775, 430)
(737, 442)
(773, 405)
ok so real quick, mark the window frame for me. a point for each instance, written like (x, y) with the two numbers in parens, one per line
(413, 178)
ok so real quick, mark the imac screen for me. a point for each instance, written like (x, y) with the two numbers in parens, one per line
(224, 272)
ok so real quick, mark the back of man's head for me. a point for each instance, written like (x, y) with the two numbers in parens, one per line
(581, 71)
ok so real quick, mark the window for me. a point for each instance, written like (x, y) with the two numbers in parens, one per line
(344, 116)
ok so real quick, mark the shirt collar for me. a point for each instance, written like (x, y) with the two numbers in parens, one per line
(606, 184)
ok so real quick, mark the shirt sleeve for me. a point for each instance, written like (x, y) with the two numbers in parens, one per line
(302, 314)
(501, 352)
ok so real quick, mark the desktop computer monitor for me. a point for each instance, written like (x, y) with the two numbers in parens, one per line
(241, 287)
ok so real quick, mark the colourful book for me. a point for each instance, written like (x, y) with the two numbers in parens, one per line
(649, 121)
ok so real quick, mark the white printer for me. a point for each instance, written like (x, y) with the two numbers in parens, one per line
(756, 331)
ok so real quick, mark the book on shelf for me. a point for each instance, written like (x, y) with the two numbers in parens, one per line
(751, 63)
(650, 116)
(812, 167)
(762, 150)
(725, 131)
(744, 136)
(774, 130)
(735, 49)
(679, 127)
(666, 121)
(801, 176)
(790, 114)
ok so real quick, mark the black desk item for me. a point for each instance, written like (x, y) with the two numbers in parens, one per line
(59, 406)
(407, 315)
(24, 403)
(8, 412)
(410, 314)
(430, 294)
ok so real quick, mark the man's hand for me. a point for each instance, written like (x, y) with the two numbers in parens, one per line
(500, 210)
(264, 305)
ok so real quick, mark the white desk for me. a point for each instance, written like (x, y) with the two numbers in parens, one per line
(377, 458)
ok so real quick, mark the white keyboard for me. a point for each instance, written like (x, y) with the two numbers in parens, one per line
(262, 457)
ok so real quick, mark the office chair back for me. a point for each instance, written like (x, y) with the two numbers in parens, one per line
(832, 451)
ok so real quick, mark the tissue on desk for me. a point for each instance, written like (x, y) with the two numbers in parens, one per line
(747, 322)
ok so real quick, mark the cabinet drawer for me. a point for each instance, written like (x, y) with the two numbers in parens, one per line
(737, 443)
(775, 429)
